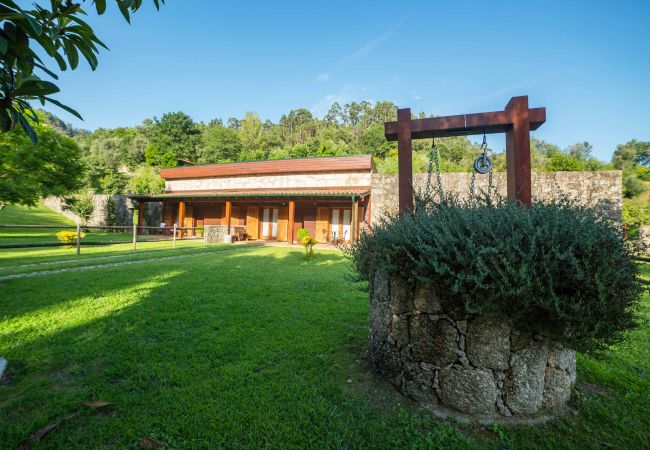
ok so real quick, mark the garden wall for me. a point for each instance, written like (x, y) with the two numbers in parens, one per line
(600, 190)
(153, 211)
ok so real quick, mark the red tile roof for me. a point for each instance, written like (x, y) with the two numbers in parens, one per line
(342, 191)
(361, 163)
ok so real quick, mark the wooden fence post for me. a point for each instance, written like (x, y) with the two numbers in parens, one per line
(135, 235)
(78, 239)
(174, 239)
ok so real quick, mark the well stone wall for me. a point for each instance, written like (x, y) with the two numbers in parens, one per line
(600, 190)
(478, 366)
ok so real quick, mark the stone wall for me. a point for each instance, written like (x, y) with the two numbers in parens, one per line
(153, 211)
(478, 366)
(310, 180)
(600, 190)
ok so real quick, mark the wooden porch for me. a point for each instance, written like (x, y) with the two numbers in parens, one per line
(329, 215)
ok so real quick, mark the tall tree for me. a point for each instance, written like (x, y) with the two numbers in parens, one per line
(29, 171)
(177, 133)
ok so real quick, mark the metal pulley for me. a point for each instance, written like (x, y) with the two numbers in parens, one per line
(483, 164)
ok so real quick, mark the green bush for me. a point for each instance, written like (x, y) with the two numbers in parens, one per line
(556, 269)
(302, 234)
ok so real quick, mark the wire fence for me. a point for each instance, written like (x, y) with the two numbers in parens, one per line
(22, 236)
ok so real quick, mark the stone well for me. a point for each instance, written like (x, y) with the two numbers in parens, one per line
(476, 365)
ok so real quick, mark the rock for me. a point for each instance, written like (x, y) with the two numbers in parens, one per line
(386, 361)
(426, 300)
(469, 391)
(380, 288)
(380, 321)
(524, 387)
(557, 388)
(400, 296)
(419, 383)
(563, 359)
(399, 331)
(434, 341)
(502, 408)
(487, 343)
(462, 326)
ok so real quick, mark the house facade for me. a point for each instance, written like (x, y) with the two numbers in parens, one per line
(271, 200)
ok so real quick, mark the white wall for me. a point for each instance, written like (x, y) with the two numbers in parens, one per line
(306, 180)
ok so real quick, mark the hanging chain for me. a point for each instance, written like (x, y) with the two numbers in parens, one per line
(434, 158)
(436, 155)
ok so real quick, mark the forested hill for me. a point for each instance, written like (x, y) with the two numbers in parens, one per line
(353, 128)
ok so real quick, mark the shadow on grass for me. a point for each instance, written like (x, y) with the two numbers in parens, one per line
(244, 350)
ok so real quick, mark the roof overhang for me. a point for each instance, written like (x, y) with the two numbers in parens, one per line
(332, 193)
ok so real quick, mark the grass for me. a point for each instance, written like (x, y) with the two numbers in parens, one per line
(253, 347)
(43, 216)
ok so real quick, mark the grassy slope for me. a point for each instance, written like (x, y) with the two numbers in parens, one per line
(248, 348)
(42, 215)
(24, 215)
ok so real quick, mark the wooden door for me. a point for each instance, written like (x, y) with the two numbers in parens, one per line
(283, 223)
(252, 222)
(322, 224)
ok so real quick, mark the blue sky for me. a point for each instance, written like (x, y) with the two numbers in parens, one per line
(587, 62)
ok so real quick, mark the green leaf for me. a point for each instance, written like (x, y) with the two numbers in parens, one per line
(62, 106)
(124, 9)
(29, 131)
(3, 45)
(34, 86)
(101, 6)
(71, 52)
(5, 120)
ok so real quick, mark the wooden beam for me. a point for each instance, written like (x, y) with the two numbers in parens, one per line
(404, 162)
(228, 213)
(181, 217)
(463, 124)
(291, 220)
(518, 151)
(355, 220)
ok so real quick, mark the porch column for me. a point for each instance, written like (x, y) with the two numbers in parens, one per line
(140, 215)
(292, 213)
(228, 213)
(181, 217)
(355, 220)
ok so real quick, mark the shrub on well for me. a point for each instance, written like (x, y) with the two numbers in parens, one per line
(556, 268)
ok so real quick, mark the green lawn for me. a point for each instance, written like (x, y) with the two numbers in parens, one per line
(250, 347)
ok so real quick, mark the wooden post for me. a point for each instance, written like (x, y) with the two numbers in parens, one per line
(404, 161)
(174, 238)
(181, 217)
(78, 239)
(140, 215)
(518, 151)
(135, 235)
(228, 213)
(290, 221)
(355, 220)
